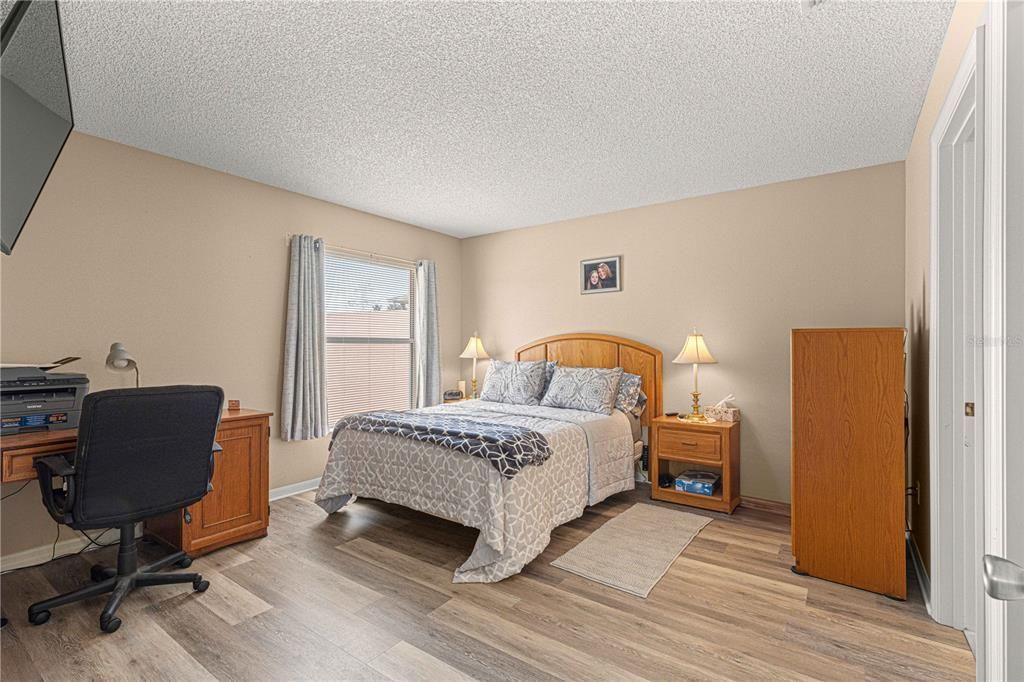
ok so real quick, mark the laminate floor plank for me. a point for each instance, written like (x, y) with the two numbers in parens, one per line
(405, 663)
(367, 595)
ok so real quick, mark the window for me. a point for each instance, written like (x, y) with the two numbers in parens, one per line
(368, 321)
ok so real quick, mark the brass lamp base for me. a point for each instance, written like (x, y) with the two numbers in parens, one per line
(474, 395)
(695, 416)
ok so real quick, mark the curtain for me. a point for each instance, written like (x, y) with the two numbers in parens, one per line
(428, 347)
(304, 394)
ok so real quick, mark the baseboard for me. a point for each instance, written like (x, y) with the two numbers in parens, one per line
(922, 575)
(43, 553)
(294, 489)
(769, 506)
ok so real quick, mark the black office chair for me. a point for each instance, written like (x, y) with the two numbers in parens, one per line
(141, 452)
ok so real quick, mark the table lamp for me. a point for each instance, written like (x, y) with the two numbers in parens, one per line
(120, 360)
(475, 350)
(695, 352)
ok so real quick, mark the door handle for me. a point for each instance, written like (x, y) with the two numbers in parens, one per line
(1003, 579)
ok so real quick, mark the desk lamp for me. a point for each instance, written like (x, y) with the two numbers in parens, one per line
(120, 360)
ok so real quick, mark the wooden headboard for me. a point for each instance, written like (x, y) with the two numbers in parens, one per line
(602, 350)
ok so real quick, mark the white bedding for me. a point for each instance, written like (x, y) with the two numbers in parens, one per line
(592, 458)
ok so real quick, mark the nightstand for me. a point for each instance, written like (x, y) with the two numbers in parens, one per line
(455, 400)
(677, 445)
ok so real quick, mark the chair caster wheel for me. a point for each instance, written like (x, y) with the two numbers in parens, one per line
(39, 617)
(96, 573)
(183, 562)
(110, 624)
(200, 585)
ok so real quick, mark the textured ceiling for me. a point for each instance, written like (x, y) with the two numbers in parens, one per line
(470, 118)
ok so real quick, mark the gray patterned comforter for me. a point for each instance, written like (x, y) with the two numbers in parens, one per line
(506, 446)
(591, 458)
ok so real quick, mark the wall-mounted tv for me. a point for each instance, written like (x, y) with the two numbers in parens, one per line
(35, 108)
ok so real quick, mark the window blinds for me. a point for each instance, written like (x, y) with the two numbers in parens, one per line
(369, 332)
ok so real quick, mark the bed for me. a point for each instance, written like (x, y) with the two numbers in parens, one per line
(591, 457)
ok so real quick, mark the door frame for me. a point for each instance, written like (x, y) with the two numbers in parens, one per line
(947, 600)
(993, 655)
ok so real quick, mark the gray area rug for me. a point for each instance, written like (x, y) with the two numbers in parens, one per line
(634, 550)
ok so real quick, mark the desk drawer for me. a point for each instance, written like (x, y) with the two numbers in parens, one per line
(18, 467)
(705, 447)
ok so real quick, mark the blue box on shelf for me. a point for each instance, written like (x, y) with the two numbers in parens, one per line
(697, 482)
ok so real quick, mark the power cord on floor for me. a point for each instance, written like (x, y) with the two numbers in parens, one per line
(92, 542)
(22, 487)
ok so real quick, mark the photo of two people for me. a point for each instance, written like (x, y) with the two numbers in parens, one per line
(601, 275)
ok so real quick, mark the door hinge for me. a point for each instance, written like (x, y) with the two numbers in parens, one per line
(968, 409)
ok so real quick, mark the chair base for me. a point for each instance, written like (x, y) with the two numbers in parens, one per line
(121, 581)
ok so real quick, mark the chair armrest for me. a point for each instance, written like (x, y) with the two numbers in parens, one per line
(213, 463)
(58, 503)
(55, 465)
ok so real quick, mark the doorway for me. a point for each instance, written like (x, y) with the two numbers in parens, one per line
(957, 347)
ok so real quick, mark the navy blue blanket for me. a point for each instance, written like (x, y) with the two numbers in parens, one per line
(509, 448)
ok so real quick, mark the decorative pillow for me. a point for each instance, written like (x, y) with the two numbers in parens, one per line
(641, 404)
(549, 371)
(629, 392)
(516, 383)
(591, 389)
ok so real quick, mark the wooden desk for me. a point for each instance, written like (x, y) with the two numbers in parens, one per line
(237, 509)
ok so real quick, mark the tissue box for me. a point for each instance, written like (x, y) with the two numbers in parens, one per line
(698, 482)
(722, 414)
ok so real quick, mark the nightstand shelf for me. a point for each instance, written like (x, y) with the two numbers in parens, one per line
(710, 447)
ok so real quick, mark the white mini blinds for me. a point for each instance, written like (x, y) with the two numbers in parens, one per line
(369, 322)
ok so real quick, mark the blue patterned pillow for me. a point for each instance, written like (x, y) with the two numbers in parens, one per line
(591, 389)
(515, 383)
(641, 404)
(549, 371)
(629, 392)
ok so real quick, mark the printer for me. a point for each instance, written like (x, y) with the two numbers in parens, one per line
(33, 399)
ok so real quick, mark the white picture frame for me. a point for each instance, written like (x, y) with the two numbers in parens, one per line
(601, 275)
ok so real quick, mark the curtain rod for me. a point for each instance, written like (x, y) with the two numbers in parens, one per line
(370, 255)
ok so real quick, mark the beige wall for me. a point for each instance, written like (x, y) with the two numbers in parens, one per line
(918, 177)
(188, 267)
(745, 267)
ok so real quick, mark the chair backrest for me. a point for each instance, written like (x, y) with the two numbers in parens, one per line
(143, 451)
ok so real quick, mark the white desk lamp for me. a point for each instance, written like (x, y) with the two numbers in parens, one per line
(475, 350)
(120, 360)
(695, 352)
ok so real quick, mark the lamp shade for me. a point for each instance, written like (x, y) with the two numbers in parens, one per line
(120, 358)
(475, 349)
(695, 352)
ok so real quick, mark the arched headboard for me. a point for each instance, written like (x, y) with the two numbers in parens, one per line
(603, 350)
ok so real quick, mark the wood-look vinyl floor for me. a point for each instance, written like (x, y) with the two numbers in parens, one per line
(368, 595)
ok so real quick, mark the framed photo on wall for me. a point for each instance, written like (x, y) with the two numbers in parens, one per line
(601, 275)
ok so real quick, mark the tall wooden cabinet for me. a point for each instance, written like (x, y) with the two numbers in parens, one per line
(238, 507)
(848, 461)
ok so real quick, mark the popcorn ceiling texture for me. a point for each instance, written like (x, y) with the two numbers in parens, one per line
(470, 118)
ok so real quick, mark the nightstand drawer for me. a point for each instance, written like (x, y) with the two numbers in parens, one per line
(699, 446)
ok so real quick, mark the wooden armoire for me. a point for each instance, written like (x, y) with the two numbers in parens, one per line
(848, 460)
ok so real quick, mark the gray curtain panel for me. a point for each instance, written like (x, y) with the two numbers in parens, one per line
(304, 393)
(428, 345)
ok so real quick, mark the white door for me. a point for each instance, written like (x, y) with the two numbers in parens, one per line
(957, 346)
(1003, 607)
